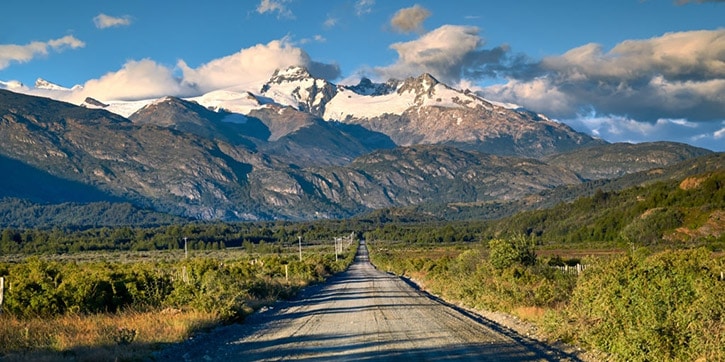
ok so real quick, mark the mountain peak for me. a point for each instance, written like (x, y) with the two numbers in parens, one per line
(41, 83)
(296, 87)
(419, 85)
(366, 87)
(290, 74)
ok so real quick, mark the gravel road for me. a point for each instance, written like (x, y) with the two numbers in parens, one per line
(363, 314)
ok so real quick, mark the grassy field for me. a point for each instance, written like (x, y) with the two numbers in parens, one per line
(124, 305)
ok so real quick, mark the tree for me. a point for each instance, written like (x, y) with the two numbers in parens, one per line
(518, 249)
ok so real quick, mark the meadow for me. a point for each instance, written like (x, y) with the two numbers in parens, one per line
(125, 305)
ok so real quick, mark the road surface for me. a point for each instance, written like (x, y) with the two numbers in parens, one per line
(364, 315)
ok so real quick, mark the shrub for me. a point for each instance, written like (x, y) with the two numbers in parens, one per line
(504, 253)
(664, 307)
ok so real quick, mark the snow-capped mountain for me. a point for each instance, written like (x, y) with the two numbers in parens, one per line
(417, 110)
(396, 97)
(295, 87)
(279, 161)
(41, 83)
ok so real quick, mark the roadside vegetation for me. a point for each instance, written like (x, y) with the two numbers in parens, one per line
(123, 309)
(651, 287)
(641, 306)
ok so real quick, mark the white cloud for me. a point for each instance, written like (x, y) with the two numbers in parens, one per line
(142, 79)
(443, 52)
(252, 67)
(624, 129)
(104, 21)
(278, 6)
(719, 134)
(330, 22)
(410, 19)
(537, 94)
(247, 69)
(363, 7)
(24, 53)
(676, 75)
(317, 38)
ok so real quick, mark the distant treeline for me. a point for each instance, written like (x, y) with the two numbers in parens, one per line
(685, 212)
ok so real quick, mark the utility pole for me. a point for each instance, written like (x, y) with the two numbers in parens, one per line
(186, 250)
(299, 238)
(336, 249)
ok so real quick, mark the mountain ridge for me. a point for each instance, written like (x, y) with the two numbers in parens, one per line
(250, 156)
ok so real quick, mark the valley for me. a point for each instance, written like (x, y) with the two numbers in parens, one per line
(477, 203)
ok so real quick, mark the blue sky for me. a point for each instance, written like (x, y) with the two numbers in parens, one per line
(622, 70)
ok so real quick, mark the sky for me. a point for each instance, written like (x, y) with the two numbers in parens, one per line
(620, 70)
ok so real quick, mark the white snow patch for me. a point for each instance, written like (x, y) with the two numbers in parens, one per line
(125, 108)
(348, 103)
(235, 102)
(504, 104)
(12, 85)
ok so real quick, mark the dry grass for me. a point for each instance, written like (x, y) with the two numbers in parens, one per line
(102, 337)
(530, 314)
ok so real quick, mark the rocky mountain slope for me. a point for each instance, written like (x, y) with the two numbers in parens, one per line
(616, 160)
(300, 148)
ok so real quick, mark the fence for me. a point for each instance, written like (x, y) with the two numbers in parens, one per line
(576, 269)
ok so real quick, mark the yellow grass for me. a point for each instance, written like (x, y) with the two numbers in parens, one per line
(123, 336)
(530, 314)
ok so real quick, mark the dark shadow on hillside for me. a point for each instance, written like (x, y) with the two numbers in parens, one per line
(23, 181)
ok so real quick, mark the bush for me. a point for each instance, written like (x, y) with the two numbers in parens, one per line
(664, 307)
(504, 253)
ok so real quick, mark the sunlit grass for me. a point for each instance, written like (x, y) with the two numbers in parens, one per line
(123, 336)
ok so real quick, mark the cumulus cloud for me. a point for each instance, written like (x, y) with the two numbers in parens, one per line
(674, 76)
(450, 53)
(24, 53)
(410, 19)
(667, 87)
(142, 79)
(278, 6)
(251, 67)
(247, 69)
(104, 21)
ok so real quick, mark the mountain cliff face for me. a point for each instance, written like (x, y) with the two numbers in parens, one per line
(301, 148)
(616, 160)
(149, 165)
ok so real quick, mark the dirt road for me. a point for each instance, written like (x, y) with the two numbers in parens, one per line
(363, 314)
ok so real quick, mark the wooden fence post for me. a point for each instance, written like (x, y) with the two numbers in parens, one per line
(2, 292)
